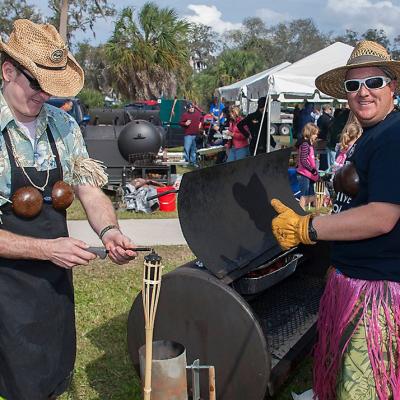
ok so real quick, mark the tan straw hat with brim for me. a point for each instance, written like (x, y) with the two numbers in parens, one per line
(365, 54)
(41, 50)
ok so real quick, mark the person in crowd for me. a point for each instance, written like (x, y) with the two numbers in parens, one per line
(357, 353)
(216, 108)
(250, 126)
(215, 138)
(191, 121)
(323, 124)
(305, 116)
(44, 163)
(67, 105)
(351, 132)
(307, 172)
(295, 124)
(239, 143)
(316, 113)
(293, 181)
(324, 121)
(335, 129)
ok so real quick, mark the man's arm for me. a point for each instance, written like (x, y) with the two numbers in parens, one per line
(101, 214)
(64, 251)
(364, 222)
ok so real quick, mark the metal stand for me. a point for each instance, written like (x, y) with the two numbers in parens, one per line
(196, 367)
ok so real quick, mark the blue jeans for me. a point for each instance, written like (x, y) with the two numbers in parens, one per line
(238, 154)
(331, 156)
(190, 149)
(306, 185)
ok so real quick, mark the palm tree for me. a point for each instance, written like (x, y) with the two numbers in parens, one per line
(149, 54)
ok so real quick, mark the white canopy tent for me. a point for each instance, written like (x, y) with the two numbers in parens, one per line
(298, 79)
(234, 91)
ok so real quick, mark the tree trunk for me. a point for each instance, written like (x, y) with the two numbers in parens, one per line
(64, 20)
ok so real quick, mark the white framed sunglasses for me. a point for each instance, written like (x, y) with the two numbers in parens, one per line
(372, 82)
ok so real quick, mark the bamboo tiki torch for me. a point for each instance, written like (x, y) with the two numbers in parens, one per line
(152, 270)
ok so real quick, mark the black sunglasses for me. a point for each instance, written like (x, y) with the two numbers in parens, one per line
(373, 82)
(33, 83)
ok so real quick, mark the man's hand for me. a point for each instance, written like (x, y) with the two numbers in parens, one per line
(289, 228)
(119, 247)
(66, 252)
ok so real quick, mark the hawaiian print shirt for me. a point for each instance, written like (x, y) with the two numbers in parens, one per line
(67, 136)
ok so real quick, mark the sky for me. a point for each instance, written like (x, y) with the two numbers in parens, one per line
(329, 15)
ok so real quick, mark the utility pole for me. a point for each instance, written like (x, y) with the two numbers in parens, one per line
(63, 20)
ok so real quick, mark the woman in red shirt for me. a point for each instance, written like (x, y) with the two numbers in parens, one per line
(239, 144)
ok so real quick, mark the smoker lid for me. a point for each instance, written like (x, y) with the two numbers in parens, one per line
(225, 212)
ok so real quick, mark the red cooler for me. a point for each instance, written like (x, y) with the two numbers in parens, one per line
(167, 202)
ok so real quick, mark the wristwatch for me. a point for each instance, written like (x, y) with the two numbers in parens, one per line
(312, 233)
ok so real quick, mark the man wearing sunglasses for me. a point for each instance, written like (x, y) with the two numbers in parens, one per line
(358, 349)
(43, 163)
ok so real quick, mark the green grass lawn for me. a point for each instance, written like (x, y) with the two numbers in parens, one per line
(76, 212)
(104, 294)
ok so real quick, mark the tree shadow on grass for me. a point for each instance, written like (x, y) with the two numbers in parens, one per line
(112, 375)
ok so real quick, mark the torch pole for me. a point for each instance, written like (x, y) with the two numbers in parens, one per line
(150, 293)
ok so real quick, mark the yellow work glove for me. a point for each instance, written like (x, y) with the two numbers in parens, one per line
(290, 228)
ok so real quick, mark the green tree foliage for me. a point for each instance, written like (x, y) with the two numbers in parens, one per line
(230, 66)
(203, 43)
(91, 98)
(396, 48)
(253, 36)
(296, 40)
(97, 70)
(82, 14)
(350, 37)
(10, 10)
(148, 55)
(377, 35)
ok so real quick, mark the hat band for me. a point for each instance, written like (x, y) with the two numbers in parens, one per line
(365, 59)
(52, 68)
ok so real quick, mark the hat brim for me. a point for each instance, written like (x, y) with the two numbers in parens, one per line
(67, 82)
(332, 82)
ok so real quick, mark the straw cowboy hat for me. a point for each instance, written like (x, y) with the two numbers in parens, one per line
(41, 50)
(365, 54)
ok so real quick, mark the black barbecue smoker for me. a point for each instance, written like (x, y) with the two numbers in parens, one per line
(244, 306)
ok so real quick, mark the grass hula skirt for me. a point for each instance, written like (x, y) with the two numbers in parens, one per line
(345, 304)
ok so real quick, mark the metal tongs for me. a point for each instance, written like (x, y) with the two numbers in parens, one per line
(102, 251)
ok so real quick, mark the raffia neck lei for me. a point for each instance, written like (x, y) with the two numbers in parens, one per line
(27, 201)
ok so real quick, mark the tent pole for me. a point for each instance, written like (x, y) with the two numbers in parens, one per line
(269, 124)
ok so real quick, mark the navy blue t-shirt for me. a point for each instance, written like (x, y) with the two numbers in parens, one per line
(376, 157)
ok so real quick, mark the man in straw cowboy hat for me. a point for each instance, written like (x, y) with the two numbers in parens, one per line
(358, 350)
(43, 162)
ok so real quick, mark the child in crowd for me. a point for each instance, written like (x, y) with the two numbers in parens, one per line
(307, 172)
(351, 132)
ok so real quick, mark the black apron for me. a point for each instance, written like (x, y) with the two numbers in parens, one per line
(37, 321)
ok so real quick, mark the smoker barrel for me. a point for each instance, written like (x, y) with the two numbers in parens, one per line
(251, 310)
(214, 324)
(139, 137)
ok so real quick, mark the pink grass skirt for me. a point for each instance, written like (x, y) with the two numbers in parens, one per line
(347, 303)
